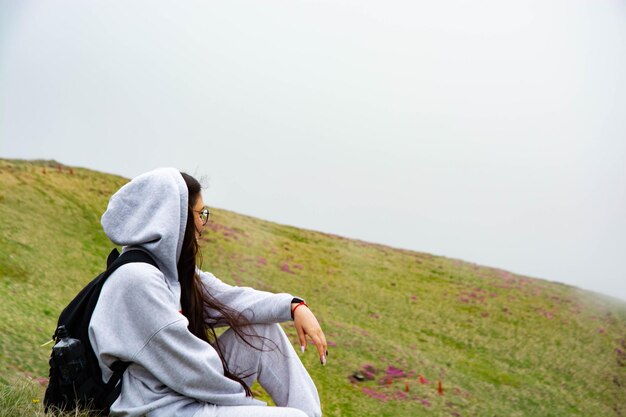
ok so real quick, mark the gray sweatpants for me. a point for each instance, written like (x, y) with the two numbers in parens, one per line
(277, 368)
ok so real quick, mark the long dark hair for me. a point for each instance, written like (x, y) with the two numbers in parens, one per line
(195, 298)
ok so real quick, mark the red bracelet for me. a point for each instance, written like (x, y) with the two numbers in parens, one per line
(301, 303)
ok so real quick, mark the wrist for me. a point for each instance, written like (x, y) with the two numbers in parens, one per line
(295, 306)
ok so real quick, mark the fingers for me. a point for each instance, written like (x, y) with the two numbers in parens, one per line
(320, 343)
(301, 338)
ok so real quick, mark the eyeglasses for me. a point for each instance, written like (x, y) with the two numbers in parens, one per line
(203, 214)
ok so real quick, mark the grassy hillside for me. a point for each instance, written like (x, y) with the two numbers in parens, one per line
(398, 322)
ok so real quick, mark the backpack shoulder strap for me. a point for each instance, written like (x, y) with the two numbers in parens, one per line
(112, 257)
(132, 255)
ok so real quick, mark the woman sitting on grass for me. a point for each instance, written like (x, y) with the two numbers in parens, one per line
(162, 320)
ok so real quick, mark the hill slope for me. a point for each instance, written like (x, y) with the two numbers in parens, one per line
(501, 344)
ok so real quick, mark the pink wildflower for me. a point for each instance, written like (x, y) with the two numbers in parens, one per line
(369, 368)
(373, 394)
(394, 372)
(400, 395)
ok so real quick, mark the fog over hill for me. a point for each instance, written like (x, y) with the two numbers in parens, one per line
(490, 131)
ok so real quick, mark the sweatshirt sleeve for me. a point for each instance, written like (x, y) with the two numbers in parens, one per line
(260, 307)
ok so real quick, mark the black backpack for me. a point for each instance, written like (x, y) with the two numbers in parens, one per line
(75, 376)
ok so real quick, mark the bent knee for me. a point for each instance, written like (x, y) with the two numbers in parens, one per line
(295, 412)
(315, 413)
(272, 331)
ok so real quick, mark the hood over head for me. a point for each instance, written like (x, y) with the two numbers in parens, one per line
(151, 212)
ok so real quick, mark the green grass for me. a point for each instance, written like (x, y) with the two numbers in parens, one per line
(501, 344)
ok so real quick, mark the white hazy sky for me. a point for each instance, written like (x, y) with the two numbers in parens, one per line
(490, 131)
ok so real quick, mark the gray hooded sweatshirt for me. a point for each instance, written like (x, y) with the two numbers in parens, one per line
(138, 319)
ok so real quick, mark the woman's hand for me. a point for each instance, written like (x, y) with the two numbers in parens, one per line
(307, 325)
